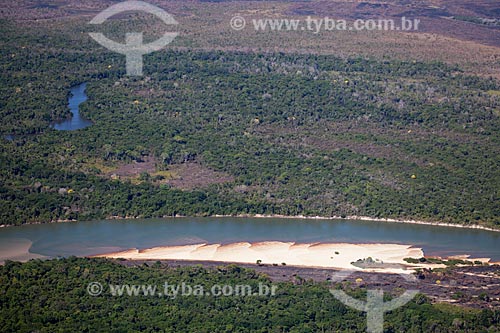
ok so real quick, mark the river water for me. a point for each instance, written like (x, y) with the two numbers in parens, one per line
(77, 97)
(87, 238)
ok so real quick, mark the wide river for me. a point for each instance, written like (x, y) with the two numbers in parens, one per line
(87, 238)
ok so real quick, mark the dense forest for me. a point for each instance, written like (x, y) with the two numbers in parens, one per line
(292, 134)
(51, 296)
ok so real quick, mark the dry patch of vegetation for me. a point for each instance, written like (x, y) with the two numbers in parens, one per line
(205, 25)
(134, 169)
(192, 175)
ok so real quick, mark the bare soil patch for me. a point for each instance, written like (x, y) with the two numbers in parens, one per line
(134, 169)
(194, 175)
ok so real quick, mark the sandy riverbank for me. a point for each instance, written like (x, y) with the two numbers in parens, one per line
(348, 218)
(17, 249)
(366, 218)
(325, 255)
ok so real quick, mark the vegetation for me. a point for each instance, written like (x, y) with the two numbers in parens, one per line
(244, 129)
(296, 134)
(51, 296)
(447, 262)
(478, 20)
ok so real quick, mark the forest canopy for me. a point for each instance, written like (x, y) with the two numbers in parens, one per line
(273, 133)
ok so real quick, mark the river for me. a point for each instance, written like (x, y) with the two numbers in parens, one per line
(77, 96)
(88, 238)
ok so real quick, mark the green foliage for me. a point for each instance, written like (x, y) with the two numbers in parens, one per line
(51, 296)
(290, 131)
(413, 260)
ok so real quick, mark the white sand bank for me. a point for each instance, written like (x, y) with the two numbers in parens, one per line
(328, 255)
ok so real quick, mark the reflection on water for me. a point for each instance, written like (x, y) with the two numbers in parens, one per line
(77, 97)
(87, 238)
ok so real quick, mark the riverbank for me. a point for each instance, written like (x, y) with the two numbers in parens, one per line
(277, 216)
(17, 250)
(36, 223)
(348, 218)
(365, 218)
(387, 258)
